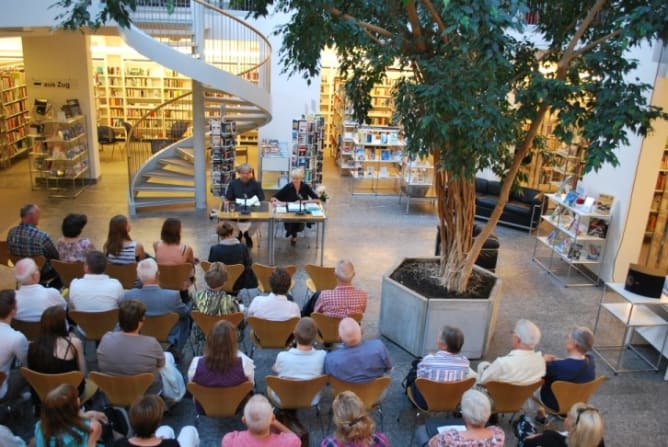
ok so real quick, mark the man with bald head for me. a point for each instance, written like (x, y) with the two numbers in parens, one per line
(358, 361)
(345, 299)
(32, 298)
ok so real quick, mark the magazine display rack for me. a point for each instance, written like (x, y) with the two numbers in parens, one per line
(417, 177)
(223, 154)
(307, 148)
(59, 160)
(576, 242)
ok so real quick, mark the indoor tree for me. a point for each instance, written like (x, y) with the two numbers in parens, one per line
(479, 86)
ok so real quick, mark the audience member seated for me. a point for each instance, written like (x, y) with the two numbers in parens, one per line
(8, 439)
(128, 352)
(294, 191)
(446, 365)
(476, 409)
(230, 251)
(275, 306)
(521, 366)
(584, 428)
(96, 291)
(358, 361)
(119, 247)
(214, 300)
(26, 240)
(63, 423)
(577, 367)
(344, 299)
(222, 365)
(32, 297)
(56, 351)
(263, 428)
(354, 427)
(304, 361)
(14, 347)
(160, 302)
(245, 186)
(145, 418)
(72, 247)
(170, 251)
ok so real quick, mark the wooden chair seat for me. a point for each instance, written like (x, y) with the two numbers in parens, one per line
(220, 402)
(369, 393)
(509, 398)
(174, 276)
(263, 273)
(126, 274)
(234, 271)
(122, 391)
(328, 327)
(30, 329)
(319, 278)
(4, 253)
(44, 383)
(39, 259)
(568, 393)
(295, 393)
(440, 396)
(271, 334)
(95, 324)
(68, 270)
(206, 322)
(159, 326)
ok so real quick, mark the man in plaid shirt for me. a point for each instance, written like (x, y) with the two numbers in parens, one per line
(26, 240)
(344, 299)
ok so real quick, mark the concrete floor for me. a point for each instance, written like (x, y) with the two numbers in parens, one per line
(374, 232)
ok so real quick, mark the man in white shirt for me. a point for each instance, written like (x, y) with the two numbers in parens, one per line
(14, 345)
(521, 366)
(95, 292)
(275, 306)
(32, 298)
(302, 362)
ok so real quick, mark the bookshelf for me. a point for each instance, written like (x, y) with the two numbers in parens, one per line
(126, 89)
(655, 249)
(14, 115)
(307, 148)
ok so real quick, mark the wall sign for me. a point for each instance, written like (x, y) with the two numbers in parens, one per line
(53, 83)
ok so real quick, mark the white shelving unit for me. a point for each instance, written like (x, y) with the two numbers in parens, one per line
(640, 315)
(576, 242)
(274, 165)
(417, 177)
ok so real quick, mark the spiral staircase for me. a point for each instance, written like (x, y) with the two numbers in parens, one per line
(231, 60)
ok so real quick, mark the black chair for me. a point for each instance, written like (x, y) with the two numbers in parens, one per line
(107, 137)
(177, 129)
(128, 129)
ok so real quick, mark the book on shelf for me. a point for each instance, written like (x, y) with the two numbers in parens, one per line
(575, 251)
(385, 155)
(360, 154)
(604, 203)
(597, 227)
(592, 252)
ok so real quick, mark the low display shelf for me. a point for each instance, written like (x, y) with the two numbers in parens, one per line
(417, 177)
(640, 315)
(576, 242)
(59, 160)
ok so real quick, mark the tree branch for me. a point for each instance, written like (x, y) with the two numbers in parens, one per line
(434, 15)
(598, 41)
(367, 26)
(568, 54)
(416, 29)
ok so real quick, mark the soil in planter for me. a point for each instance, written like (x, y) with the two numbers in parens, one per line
(423, 277)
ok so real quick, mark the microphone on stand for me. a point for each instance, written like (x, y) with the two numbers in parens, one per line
(245, 211)
(301, 211)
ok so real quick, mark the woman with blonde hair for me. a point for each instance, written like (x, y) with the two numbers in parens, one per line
(222, 365)
(584, 428)
(354, 427)
(294, 191)
(63, 423)
(119, 247)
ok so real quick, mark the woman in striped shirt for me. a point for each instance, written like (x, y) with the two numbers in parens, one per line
(120, 248)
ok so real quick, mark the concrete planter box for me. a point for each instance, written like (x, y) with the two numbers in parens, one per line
(414, 322)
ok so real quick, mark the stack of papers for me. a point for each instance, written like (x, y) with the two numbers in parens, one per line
(251, 201)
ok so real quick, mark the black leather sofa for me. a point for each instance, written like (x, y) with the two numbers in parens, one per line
(488, 255)
(523, 209)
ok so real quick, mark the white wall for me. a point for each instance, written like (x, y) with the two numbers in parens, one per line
(632, 182)
(45, 60)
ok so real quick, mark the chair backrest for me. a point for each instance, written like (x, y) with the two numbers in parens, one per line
(296, 393)
(509, 398)
(122, 391)
(369, 392)
(443, 396)
(126, 274)
(206, 265)
(234, 271)
(30, 329)
(263, 273)
(272, 334)
(219, 402)
(105, 135)
(569, 393)
(39, 259)
(4, 253)
(7, 278)
(328, 326)
(95, 324)
(323, 278)
(173, 276)
(159, 326)
(68, 270)
(44, 383)
(206, 322)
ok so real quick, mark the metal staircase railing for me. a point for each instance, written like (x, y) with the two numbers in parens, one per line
(208, 34)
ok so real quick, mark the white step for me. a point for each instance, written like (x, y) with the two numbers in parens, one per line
(177, 162)
(151, 202)
(149, 187)
(187, 153)
(169, 175)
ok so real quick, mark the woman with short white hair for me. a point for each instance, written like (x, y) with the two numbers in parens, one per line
(294, 191)
(476, 409)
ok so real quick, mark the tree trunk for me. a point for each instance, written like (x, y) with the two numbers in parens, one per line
(456, 206)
